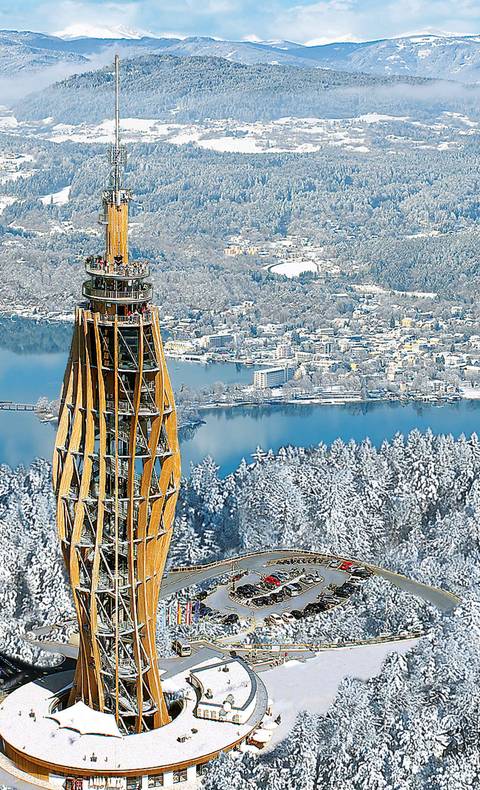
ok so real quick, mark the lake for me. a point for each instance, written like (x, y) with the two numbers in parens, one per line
(228, 435)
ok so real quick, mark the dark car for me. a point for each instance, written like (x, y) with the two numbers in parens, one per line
(362, 573)
(263, 600)
(277, 597)
(297, 614)
(340, 592)
(246, 590)
(231, 619)
(202, 595)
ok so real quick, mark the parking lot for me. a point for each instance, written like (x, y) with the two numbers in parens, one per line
(223, 599)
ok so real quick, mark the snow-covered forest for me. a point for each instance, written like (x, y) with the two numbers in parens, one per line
(413, 506)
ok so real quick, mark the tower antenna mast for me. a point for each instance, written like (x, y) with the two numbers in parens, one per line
(117, 152)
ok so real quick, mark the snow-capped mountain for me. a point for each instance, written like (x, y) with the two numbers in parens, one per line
(79, 30)
(26, 52)
(447, 57)
(433, 55)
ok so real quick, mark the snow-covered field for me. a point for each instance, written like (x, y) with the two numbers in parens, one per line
(313, 685)
(294, 267)
(57, 198)
(361, 134)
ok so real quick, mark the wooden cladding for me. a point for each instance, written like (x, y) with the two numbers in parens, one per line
(116, 477)
(117, 232)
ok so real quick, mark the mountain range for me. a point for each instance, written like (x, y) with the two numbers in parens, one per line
(446, 57)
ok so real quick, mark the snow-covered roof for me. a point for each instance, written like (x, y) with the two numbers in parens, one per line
(86, 721)
(27, 724)
(230, 679)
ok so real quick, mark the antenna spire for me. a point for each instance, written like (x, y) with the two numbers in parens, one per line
(116, 198)
(117, 152)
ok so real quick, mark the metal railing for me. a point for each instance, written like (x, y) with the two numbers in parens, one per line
(133, 319)
(131, 295)
(137, 269)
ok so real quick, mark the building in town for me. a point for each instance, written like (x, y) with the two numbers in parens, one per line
(218, 341)
(271, 377)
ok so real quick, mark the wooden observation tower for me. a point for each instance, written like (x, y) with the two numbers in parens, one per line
(116, 472)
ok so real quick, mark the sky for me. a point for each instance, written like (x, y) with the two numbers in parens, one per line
(306, 22)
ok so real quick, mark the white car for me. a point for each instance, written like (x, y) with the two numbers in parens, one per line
(288, 618)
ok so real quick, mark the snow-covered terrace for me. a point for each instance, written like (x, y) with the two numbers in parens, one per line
(26, 724)
(228, 690)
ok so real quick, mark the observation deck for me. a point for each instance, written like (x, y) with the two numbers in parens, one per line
(121, 286)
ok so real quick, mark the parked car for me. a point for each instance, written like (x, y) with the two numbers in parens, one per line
(246, 590)
(287, 617)
(328, 598)
(334, 563)
(274, 619)
(296, 614)
(272, 581)
(291, 591)
(278, 597)
(340, 592)
(263, 600)
(362, 573)
(346, 565)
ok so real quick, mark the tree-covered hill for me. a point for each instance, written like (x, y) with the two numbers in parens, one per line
(157, 86)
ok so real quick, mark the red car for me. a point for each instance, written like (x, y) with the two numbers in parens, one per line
(346, 565)
(272, 581)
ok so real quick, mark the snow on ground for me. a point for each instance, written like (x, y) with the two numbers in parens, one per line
(471, 393)
(360, 134)
(374, 117)
(313, 685)
(303, 135)
(57, 198)
(294, 268)
(239, 145)
(11, 166)
(6, 200)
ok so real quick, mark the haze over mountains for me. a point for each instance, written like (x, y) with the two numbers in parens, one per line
(445, 57)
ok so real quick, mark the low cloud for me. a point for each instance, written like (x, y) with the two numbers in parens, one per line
(19, 85)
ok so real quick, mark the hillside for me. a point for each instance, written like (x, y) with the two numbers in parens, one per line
(162, 86)
(24, 53)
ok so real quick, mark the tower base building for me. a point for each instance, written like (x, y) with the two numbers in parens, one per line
(48, 745)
